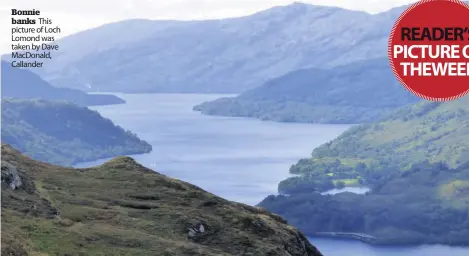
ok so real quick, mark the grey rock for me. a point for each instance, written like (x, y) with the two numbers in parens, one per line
(195, 228)
(10, 175)
(192, 232)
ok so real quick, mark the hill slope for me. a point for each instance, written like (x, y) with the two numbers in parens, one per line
(356, 93)
(63, 133)
(123, 208)
(24, 84)
(426, 131)
(228, 55)
(416, 163)
(425, 205)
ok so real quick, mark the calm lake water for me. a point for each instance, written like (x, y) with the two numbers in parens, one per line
(356, 190)
(236, 158)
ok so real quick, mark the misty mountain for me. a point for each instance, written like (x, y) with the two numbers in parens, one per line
(227, 55)
(360, 92)
(22, 83)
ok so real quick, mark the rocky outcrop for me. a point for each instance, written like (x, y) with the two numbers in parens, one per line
(10, 176)
(123, 208)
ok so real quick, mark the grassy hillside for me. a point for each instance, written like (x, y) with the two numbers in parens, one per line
(356, 93)
(122, 208)
(416, 163)
(64, 133)
(427, 131)
(24, 84)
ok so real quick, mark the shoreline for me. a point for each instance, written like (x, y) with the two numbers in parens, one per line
(375, 241)
(365, 238)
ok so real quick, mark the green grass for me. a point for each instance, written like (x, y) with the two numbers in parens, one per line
(123, 208)
(348, 182)
(454, 188)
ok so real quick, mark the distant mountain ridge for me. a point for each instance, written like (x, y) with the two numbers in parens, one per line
(228, 55)
(24, 84)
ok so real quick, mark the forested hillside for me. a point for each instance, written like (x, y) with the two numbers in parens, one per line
(427, 131)
(426, 204)
(416, 163)
(64, 133)
(361, 92)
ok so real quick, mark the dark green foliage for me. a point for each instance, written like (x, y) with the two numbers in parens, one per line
(416, 164)
(63, 133)
(354, 93)
(427, 131)
(24, 84)
(427, 204)
(304, 184)
(340, 184)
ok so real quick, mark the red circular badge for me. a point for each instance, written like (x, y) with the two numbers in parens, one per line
(429, 49)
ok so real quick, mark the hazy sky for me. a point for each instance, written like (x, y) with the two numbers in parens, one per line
(74, 16)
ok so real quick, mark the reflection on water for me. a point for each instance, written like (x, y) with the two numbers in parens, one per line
(356, 190)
